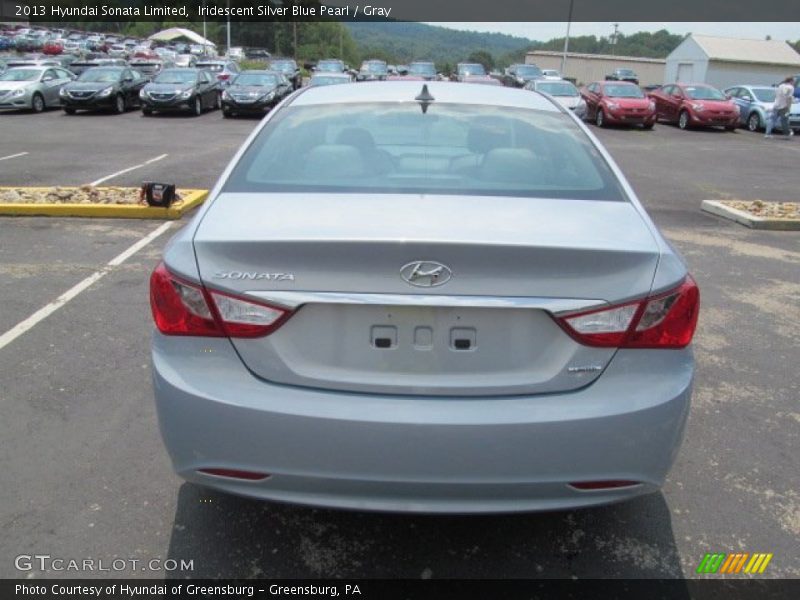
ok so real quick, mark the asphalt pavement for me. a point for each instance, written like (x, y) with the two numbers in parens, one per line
(85, 473)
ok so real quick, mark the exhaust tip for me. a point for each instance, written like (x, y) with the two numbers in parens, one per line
(609, 484)
(235, 474)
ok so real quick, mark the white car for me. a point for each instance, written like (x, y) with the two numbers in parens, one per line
(551, 74)
(563, 92)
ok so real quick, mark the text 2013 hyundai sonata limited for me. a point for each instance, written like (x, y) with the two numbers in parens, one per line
(430, 297)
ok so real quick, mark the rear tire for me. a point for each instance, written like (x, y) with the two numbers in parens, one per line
(37, 103)
(683, 120)
(600, 118)
(730, 127)
(69, 111)
(146, 112)
(648, 125)
(754, 122)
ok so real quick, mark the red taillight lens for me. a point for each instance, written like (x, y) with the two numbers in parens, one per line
(183, 308)
(664, 321)
(236, 474)
(603, 485)
(180, 307)
(223, 76)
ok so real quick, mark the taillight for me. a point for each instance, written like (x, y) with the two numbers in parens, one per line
(184, 308)
(667, 320)
(223, 76)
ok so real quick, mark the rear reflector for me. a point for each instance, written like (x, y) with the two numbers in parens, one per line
(667, 320)
(603, 485)
(181, 307)
(236, 474)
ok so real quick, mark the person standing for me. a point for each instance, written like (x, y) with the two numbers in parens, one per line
(784, 96)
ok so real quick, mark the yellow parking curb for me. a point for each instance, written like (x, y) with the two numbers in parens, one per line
(189, 199)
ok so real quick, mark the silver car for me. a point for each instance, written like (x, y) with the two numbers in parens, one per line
(562, 91)
(33, 88)
(423, 297)
(755, 106)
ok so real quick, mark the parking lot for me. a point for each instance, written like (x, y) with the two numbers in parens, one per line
(86, 474)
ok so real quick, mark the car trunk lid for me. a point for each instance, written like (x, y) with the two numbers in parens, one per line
(363, 326)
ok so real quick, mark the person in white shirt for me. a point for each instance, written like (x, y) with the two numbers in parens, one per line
(784, 96)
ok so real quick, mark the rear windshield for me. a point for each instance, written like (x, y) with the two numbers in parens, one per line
(703, 93)
(333, 66)
(99, 75)
(422, 69)
(176, 77)
(529, 71)
(622, 91)
(256, 79)
(374, 67)
(451, 149)
(557, 88)
(471, 69)
(328, 80)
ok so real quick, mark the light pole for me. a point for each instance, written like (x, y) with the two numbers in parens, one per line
(229, 26)
(614, 39)
(566, 41)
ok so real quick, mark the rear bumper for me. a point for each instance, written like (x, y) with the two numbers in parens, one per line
(420, 454)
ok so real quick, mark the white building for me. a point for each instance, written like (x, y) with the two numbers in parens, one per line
(723, 62)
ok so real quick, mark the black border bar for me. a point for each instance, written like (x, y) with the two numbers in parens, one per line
(404, 10)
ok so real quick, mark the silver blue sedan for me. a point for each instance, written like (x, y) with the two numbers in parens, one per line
(33, 88)
(755, 105)
(425, 297)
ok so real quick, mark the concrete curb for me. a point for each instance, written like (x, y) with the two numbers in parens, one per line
(721, 210)
(190, 199)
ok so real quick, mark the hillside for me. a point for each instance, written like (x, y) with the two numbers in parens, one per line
(404, 42)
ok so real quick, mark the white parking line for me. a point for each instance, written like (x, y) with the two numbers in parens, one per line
(13, 155)
(44, 312)
(133, 168)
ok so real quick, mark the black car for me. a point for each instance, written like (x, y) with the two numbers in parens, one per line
(623, 75)
(79, 66)
(519, 75)
(288, 67)
(256, 54)
(114, 88)
(189, 90)
(373, 70)
(254, 92)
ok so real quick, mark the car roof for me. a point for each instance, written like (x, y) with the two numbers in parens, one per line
(442, 91)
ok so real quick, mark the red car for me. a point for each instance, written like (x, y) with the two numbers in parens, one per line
(695, 104)
(618, 102)
(53, 47)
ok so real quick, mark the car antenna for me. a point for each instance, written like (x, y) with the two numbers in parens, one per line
(424, 98)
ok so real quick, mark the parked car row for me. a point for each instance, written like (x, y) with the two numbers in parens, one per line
(119, 88)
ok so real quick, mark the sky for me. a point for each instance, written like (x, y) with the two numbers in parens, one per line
(547, 31)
